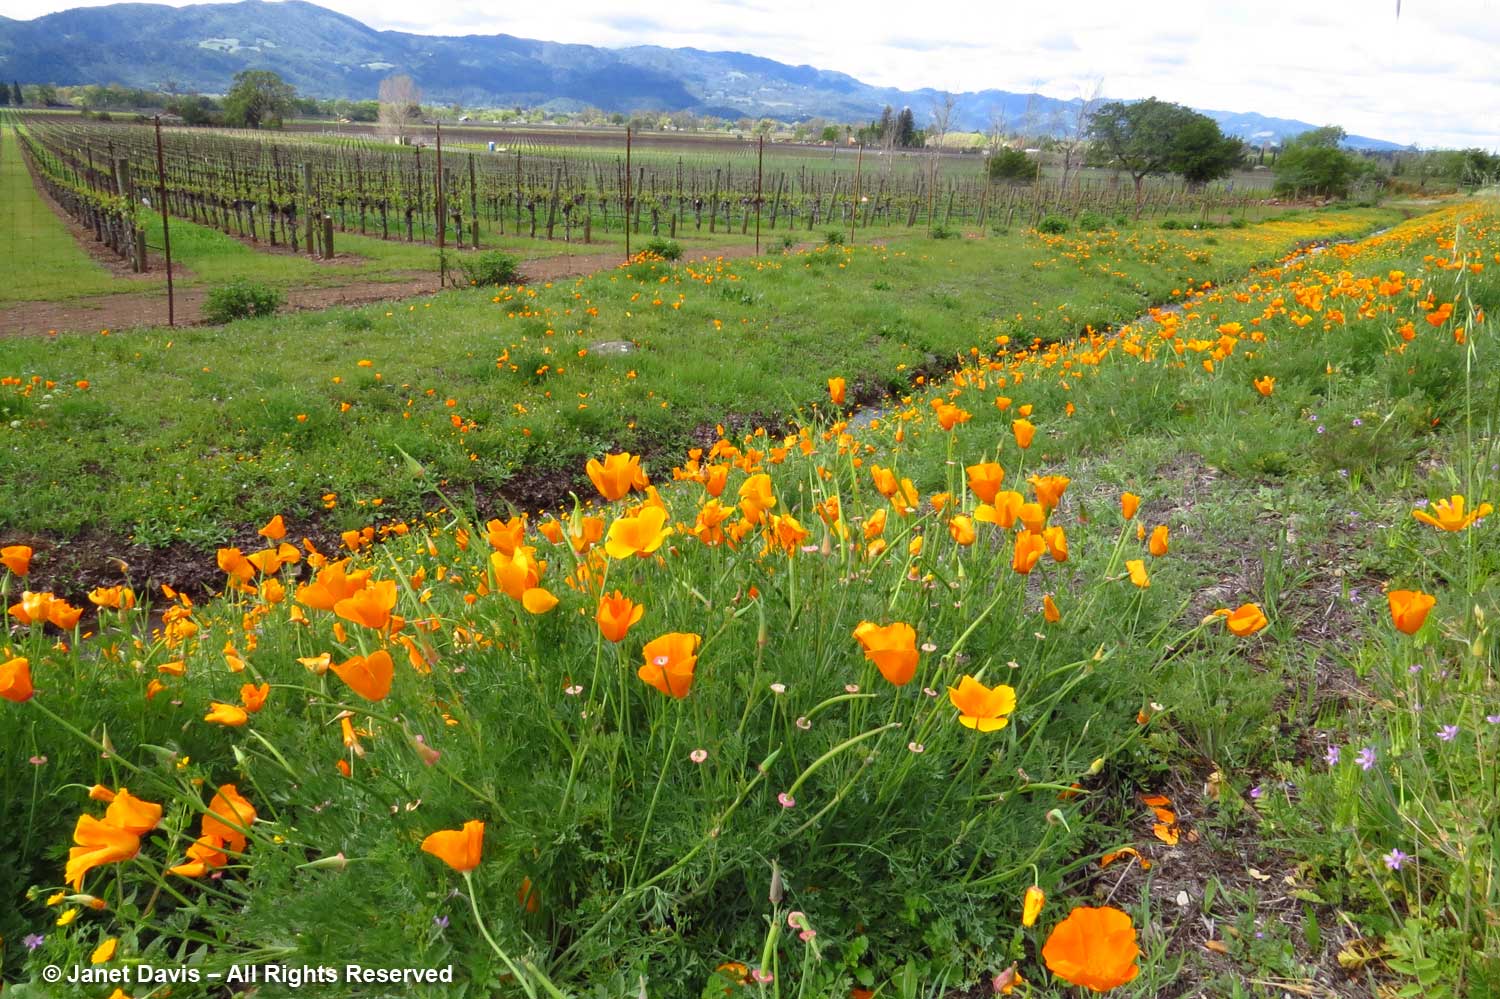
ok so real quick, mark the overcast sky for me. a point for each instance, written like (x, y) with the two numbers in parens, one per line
(1430, 76)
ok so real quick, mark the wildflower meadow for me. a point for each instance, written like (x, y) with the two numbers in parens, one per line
(1130, 628)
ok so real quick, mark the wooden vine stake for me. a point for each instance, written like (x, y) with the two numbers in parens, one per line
(627, 193)
(166, 231)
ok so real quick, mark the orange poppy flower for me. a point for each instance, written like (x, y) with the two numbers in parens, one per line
(517, 572)
(1049, 610)
(203, 856)
(274, 530)
(985, 479)
(370, 677)
(875, 524)
(233, 562)
(1245, 620)
(836, 391)
(16, 559)
(1158, 546)
(670, 662)
(1057, 543)
(885, 480)
(586, 533)
(334, 583)
(254, 697)
(617, 475)
(505, 536)
(226, 714)
(460, 849)
(1007, 506)
(538, 600)
(639, 535)
(1129, 504)
(891, 647)
(1029, 548)
(15, 681)
(985, 709)
(1094, 947)
(1448, 514)
(229, 814)
(1033, 516)
(130, 813)
(617, 614)
(756, 497)
(962, 530)
(1265, 385)
(1138, 576)
(97, 843)
(114, 597)
(370, 606)
(716, 480)
(1409, 609)
(1024, 432)
(1049, 488)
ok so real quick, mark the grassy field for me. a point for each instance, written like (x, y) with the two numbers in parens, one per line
(513, 387)
(1130, 627)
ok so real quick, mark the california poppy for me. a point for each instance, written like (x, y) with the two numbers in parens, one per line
(641, 534)
(1094, 947)
(97, 843)
(836, 391)
(1137, 569)
(253, 697)
(1265, 385)
(16, 559)
(15, 681)
(274, 530)
(370, 606)
(1024, 431)
(756, 497)
(1409, 609)
(985, 479)
(891, 647)
(1050, 611)
(985, 709)
(1049, 488)
(204, 855)
(1029, 548)
(114, 597)
(369, 677)
(962, 529)
(1031, 905)
(617, 475)
(130, 813)
(226, 714)
(1158, 544)
(1448, 514)
(1129, 504)
(228, 816)
(1245, 620)
(460, 849)
(670, 662)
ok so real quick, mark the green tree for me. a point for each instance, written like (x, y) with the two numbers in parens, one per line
(1014, 165)
(1312, 163)
(1202, 152)
(4, 96)
(258, 97)
(15, 93)
(906, 129)
(1143, 137)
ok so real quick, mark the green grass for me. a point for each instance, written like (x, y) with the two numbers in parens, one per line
(45, 261)
(752, 338)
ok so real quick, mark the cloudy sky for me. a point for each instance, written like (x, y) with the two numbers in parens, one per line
(1429, 76)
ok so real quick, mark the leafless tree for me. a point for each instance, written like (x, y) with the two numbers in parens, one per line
(400, 106)
(1072, 137)
(942, 117)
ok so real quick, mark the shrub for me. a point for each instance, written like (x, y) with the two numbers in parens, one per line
(240, 300)
(1013, 165)
(490, 268)
(943, 232)
(1172, 224)
(788, 242)
(1053, 224)
(834, 237)
(1091, 221)
(667, 249)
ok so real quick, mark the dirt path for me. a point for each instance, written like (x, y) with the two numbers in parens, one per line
(133, 309)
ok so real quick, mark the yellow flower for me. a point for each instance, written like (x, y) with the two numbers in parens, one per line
(1449, 514)
(1138, 575)
(982, 708)
(1031, 905)
(638, 535)
(104, 952)
(67, 916)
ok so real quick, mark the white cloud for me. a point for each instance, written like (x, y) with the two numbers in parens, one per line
(1426, 76)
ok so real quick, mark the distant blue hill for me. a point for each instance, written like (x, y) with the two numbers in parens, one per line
(326, 54)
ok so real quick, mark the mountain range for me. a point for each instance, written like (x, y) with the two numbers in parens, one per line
(327, 54)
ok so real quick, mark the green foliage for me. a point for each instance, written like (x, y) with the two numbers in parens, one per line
(258, 97)
(1313, 164)
(667, 249)
(240, 300)
(1091, 221)
(943, 232)
(490, 269)
(1201, 152)
(1014, 165)
(1052, 225)
(833, 237)
(1152, 136)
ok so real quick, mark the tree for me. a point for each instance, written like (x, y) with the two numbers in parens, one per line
(1073, 134)
(15, 93)
(4, 96)
(1014, 165)
(1203, 153)
(1313, 163)
(1143, 137)
(400, 106)
(258, 97)
(906, 129)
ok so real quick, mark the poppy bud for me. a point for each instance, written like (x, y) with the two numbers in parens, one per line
(776, 887)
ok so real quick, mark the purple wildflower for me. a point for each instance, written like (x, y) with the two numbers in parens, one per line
(1366, 758)
(1396, 858)
(33, 940)
(1448, 733)
(1332, 756)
